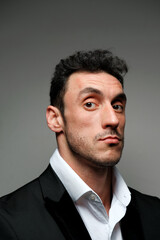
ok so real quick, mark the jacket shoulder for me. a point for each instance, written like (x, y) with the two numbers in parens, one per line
(146, 199)
(16, 209)
(148, 206)
(20, 199)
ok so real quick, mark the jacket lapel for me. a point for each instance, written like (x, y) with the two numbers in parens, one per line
(148, 214)
(61, 207)
(131, 226)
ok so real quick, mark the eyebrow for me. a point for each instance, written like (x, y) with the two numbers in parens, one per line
(90, 90)
(121, 96)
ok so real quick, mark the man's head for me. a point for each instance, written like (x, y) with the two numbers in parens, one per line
(87, 109)
(83, 61)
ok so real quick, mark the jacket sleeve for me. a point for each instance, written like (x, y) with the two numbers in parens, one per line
(6, 230)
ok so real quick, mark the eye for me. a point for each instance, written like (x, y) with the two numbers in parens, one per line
(90, 105)
(118, 108)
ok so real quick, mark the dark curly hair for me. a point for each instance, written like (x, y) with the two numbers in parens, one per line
(89, 61)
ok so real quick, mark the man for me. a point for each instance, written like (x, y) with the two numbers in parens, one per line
(81, 195)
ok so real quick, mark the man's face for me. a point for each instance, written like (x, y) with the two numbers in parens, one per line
(94, 113)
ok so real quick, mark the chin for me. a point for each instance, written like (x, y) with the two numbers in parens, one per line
(107, 161)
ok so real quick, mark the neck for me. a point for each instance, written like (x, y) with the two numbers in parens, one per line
(99, 179)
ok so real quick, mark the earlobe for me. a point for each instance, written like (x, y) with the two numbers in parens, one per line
(54, 119)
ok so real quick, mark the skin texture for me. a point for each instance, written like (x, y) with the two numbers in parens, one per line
(90, 137)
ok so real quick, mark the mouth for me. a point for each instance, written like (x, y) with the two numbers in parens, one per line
(110, 139)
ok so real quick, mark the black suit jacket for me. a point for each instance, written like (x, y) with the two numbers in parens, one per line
(43, 210)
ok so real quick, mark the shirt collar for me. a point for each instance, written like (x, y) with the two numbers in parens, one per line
(120, 189)
(76, 187)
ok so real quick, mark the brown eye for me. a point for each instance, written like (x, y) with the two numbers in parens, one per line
(90, 105)
(118, 108)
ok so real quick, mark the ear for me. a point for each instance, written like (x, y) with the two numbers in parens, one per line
(54, 119)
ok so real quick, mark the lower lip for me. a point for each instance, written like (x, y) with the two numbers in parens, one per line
(111, 140)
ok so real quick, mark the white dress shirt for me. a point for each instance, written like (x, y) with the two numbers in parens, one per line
(89, 205)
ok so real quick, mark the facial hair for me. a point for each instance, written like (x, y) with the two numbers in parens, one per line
(84, 151)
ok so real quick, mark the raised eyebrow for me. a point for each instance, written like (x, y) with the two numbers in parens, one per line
(90, 90)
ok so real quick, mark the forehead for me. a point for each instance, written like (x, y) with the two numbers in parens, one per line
(101, 81)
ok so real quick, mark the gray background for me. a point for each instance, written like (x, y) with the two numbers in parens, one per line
(34, 36)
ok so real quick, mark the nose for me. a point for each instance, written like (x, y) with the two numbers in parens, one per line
(109, 117)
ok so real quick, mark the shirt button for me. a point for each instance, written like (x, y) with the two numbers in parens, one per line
(93, 197)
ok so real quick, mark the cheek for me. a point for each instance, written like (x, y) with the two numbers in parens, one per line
(83, 122)
(122, 122)
(81, 118)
